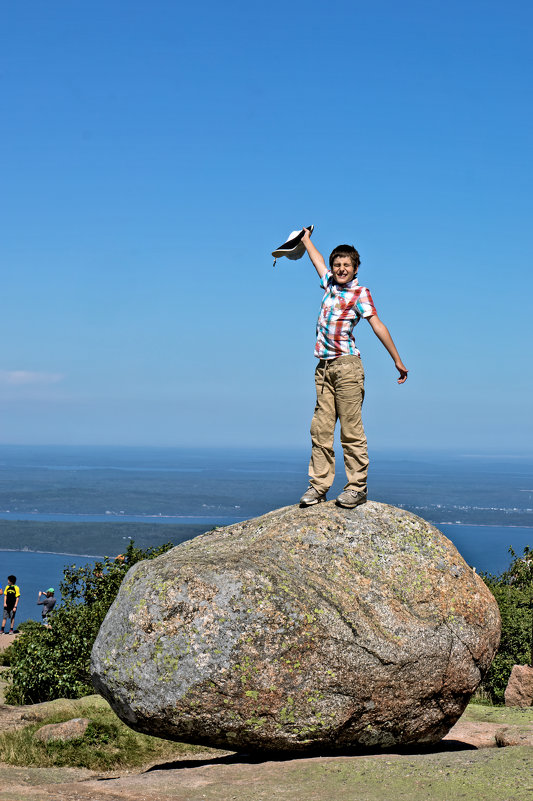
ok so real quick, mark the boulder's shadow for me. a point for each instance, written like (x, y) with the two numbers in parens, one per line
(257, 758)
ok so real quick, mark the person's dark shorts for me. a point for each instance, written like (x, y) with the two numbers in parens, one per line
(9, 614)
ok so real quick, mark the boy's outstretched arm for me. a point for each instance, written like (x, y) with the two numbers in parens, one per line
(315, 255)
(382, 333)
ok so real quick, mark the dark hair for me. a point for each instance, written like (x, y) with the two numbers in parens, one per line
(11, 579)
(345, 250)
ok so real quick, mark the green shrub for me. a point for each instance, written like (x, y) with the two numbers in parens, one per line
(53, 662)
(513, 591)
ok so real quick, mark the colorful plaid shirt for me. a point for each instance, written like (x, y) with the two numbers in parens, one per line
(342, 308)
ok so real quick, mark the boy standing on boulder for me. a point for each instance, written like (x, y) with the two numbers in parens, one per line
(339, 375)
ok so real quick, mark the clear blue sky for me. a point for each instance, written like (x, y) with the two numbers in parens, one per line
(154, 153)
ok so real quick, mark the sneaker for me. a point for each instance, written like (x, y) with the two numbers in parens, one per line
(351, 498)
(311, 496)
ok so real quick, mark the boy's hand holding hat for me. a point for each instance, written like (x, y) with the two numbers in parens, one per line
(293, 248)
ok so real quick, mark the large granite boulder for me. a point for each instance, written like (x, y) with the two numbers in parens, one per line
(302, 630)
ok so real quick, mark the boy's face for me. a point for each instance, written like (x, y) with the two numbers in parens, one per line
(343, 269)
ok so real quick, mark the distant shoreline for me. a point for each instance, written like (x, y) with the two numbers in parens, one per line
(483, 525)
(116, 517)
(179, 520)
(52, 553)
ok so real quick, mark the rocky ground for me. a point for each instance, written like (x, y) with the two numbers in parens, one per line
(490, 774)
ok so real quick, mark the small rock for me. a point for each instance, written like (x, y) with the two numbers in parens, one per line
(515, 735)
(69, 730)
(31, 714)
(519, 691)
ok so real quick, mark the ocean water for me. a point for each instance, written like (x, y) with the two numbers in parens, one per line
(483, 504)
(487, 547)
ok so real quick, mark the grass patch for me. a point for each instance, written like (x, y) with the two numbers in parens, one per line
(107, 744)
(510, 716)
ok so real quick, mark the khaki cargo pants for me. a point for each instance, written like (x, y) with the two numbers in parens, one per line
(339, 396)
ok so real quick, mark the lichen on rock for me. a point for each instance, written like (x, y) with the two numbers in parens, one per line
(301, 630)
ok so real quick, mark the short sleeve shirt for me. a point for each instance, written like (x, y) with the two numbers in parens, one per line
(11, 593)
(342, 308)
(47, 604)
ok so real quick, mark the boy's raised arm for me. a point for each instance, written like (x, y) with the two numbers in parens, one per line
(382, 333)
(314, 254)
